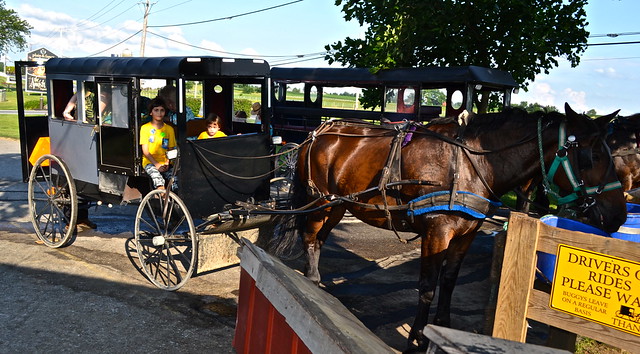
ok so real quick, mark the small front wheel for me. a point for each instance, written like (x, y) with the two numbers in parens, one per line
(166, 240)
(53, 203)
(286, 163)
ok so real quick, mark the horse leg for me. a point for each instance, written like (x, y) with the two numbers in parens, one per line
(455, 255)
(319, 225)
(433, 253)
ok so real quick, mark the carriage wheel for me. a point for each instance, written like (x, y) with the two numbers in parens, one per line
(281, 192)
(53, 203)
(165, 239)
(286, 163)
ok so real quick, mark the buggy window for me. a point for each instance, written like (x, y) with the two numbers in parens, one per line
(61, 92)
(400, 100)
(114, 104)
(89, 107)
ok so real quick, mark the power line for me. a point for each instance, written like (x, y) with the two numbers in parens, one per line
(234, 54)
(612, 43)
(100, 24)
(297, 61)
(170, 7)
(614, 35)
(603, 59)
(115, 45)
(228, 17)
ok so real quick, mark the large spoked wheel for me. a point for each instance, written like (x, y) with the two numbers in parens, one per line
(165, 239)
(286, 163)
(53, 203)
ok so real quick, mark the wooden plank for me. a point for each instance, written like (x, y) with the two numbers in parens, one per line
(220, 250)
(453, 341)
(516, 278)
(540, 311)
(322, 323)
(550, 237)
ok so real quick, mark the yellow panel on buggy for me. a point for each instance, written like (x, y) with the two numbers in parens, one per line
(43, 147)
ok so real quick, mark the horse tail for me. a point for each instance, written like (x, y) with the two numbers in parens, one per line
(287, 242)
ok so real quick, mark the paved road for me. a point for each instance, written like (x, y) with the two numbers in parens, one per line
(91, 297)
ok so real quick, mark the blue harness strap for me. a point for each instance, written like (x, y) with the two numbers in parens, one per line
(466, 202)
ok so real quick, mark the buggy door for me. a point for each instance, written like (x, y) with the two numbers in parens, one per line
(117, 127)
(31, 126)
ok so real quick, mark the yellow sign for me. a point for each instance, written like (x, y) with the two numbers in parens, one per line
(598, 288)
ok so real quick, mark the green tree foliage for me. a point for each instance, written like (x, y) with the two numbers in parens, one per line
(13, 30)
(433, 97)
(521, 37)
(534, 107)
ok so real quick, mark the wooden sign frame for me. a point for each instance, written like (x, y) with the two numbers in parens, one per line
(519, 301)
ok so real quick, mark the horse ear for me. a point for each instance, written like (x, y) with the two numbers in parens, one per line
(568, 111)
(571, 115)
(604, 121)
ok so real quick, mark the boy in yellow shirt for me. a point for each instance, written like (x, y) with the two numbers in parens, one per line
(156, 138)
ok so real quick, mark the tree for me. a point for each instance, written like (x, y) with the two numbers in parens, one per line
(13, 30)
(522, 37)
(534, 107)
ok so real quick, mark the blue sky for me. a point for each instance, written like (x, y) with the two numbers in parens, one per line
(294, 33)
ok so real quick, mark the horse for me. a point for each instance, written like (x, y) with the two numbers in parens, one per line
(623, 139)
(440, 180)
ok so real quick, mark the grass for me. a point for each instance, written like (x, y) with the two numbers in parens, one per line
(586, 345)
(9, 126)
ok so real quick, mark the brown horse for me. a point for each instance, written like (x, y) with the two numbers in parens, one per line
(439, 183)
(624, 141)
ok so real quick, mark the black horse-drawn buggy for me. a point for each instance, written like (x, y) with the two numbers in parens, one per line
(93, 155)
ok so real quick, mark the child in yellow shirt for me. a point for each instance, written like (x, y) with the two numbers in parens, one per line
(213, 128)
(156, 138)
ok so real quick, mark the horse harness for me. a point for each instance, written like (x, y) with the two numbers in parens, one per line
(567, 144)
(452, 200)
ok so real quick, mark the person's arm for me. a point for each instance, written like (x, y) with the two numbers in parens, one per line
(73, 101)
(147, 154)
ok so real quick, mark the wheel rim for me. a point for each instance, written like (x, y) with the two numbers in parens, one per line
(53, 203)
(286, 163)
(165, 240)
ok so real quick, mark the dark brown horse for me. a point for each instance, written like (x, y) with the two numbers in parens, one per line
(624, 141)
(440, 182)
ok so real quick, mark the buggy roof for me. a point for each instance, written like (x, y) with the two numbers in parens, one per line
(427, 76)
(157, 67)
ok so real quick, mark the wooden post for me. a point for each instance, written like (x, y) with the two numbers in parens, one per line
(516, 279)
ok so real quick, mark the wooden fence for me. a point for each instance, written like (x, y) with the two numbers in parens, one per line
(519, 301)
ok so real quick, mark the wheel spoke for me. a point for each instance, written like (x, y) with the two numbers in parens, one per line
(170, 264)
(52, 201)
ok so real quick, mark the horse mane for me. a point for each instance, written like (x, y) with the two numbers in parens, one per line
(628, 124)
(481, 124)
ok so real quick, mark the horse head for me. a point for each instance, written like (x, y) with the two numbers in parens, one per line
(624, 141)
(584, 167)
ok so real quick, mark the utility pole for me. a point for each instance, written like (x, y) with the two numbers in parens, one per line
(144, 28)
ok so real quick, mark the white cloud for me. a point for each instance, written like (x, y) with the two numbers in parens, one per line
(576, 99)
(539, 92)
(607, 72)
(214, 46)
